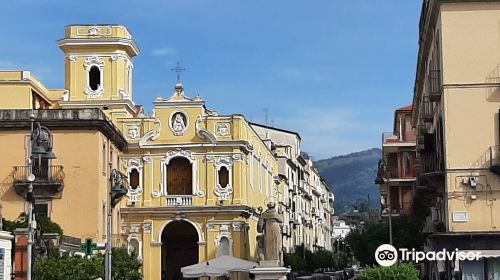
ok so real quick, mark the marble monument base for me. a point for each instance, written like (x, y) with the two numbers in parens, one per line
(270, 272)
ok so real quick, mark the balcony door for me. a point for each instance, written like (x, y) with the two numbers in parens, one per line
(180, 177)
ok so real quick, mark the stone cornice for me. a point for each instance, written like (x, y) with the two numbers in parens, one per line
(240, 210)
(67, 119)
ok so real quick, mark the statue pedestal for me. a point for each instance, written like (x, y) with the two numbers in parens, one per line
(270, 273)
(5, 253)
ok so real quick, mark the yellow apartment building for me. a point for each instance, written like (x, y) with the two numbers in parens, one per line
(456, 114)
(197, 179)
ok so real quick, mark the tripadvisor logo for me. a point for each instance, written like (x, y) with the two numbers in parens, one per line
(387, 255)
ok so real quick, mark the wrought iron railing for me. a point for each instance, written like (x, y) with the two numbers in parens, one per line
(52, 173)
(434, 85)
(428, 114)
(494, 157)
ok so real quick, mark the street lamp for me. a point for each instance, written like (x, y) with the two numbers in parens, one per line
(383, 178)
(117, 189)
(41, 148)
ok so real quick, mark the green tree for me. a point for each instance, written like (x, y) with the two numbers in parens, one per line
(399, 271)
(306, 261)
(66, 267)
(365, 241)
(125, 267)
(295, 261)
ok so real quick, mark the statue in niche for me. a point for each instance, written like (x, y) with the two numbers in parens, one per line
(270, 225)
(178, 123)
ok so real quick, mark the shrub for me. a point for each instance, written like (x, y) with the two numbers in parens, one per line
(399, 271)
(66, 267)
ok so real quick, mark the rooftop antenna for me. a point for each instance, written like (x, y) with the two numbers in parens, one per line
(178, 69)
(266, 115)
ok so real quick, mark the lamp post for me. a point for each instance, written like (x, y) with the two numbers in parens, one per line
(41, 147)
(383, 178)
(29, 199)
(117, 189)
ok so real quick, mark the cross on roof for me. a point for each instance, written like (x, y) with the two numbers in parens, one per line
(178, 69)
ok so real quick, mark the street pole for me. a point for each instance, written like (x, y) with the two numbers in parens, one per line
(109, 225)
(29, 198)
(338, 248)
(390, 209)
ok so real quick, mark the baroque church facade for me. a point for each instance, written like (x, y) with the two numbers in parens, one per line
(197, 180)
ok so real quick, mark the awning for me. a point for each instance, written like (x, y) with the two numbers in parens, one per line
(219, 266)
(202, 270)
(485, 253)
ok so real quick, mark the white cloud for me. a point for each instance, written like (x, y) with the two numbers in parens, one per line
(330, 132)
(164, 51)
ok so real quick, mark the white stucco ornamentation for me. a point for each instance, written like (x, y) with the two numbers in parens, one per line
(94, 31)
(223, 192)
(179, 122)
(134, 195)
(94, 61)
(134, 245)
(133, 132)
(163, 191)
(223, 129)
(224, 234)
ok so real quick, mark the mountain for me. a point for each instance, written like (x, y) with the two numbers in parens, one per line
(352, 177)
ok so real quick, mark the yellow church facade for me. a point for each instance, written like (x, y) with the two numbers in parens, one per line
(197, 179)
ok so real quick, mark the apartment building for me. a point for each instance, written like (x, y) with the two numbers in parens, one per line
(306, 199)
(456, 115)
(398, 150)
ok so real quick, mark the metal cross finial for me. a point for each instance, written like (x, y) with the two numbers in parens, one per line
(178, 69)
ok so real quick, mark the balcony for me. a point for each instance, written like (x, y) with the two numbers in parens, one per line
(389, 139)
(48, 184)
(295, 219)
(179, 200)
(396, 173)
(434, 85)
(404, 208)
(494, 159)
(428, 114)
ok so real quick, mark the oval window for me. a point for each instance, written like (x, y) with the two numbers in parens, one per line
(133, 178)
(223, 177)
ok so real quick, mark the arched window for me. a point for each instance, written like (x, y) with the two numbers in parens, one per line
(133, 178)
(179, 177)
(94, 78)
(223, 177)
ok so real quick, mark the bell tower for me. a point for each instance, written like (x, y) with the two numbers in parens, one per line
(98, 64)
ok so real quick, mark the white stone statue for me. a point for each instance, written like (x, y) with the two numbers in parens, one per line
(270, 225)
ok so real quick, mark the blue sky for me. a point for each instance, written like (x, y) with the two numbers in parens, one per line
(332, 70)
